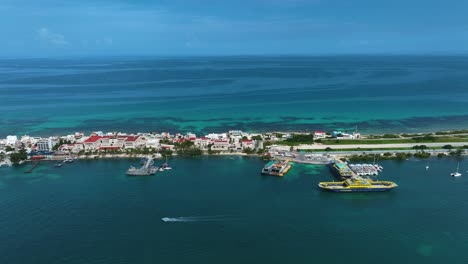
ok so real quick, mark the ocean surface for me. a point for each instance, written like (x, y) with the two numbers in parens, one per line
(221, 210)
(202, 94)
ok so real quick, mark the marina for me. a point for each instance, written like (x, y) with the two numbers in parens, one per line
(366, 169)
(276, 168)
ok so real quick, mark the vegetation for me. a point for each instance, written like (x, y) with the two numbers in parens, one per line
(462, 131)
(390, 136)
(402, 156)
(422, 155)
(165, 141)
(18, 156)
(457, 152)
(165, 152)
(420, 147)
(8, 149)
(248, 151)
(297, 139)
(61, 142)
(257, 137)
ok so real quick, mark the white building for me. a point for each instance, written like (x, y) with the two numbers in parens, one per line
(248, 144)
(220, 145)
(11, 140)
(45, 144)
(319, 135)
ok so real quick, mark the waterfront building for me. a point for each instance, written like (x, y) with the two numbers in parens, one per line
(235, 133)
(319, 135)
(215, 136)
(71, 148)
(92, 142)
(167, 146)
(46, 144)
(135, 142)
(152, 143)
(248, 144)
(11, 140)
(220, 145)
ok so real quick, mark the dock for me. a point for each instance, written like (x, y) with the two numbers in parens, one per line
(277, 168)
(33, 166)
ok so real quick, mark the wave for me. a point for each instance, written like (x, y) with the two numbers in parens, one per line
(195, 218)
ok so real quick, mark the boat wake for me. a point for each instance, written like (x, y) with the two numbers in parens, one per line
(195, 218)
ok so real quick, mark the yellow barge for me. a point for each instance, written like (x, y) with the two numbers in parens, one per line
(358, 184)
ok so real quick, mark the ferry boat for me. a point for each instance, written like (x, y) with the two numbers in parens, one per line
(357, 184)
(276, 168)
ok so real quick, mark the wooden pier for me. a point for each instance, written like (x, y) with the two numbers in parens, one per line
(33, 166)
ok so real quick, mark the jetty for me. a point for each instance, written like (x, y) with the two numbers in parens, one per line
(33, 166)
(276, 168)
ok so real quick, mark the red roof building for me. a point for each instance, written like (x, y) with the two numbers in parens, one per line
(92, 139)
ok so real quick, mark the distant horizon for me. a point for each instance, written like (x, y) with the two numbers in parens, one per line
(109, 56)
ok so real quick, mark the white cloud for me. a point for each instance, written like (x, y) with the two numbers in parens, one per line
(49, 37)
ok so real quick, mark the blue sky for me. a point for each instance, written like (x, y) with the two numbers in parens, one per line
(42, 28)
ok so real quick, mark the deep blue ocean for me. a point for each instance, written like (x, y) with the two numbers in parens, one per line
(201, 94)
(221, 210)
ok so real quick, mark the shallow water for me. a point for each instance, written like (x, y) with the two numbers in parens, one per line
(201, 94)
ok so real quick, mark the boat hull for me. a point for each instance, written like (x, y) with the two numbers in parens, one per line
(344, 190)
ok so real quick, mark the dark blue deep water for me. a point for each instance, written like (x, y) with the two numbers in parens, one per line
(200, 94)
(89, 212)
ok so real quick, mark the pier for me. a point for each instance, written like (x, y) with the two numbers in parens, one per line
(33, 166)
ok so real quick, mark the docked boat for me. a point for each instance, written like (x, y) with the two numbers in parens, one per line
(357, 184)
(145, 170)
(276, 168)
(68, 160)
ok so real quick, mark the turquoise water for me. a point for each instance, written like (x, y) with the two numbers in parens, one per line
(200, 94)
(226, 212)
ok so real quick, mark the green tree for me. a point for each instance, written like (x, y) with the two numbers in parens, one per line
(9, 148)
(257, 137)
(18, 156)
(248, 151)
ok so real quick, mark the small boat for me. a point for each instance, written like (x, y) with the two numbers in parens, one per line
(456, 174)
(68, 160)
(58, 164)
(165, 166)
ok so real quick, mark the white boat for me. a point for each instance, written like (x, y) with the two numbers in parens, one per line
(68, 160)
(165, 166)
(456, 174)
